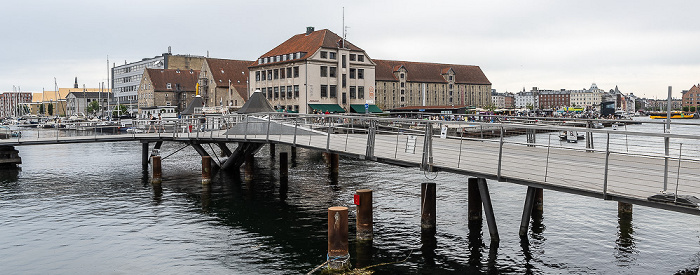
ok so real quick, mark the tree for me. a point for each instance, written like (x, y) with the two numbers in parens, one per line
(41, 109)
(50, 109)
(119, 110)
(685, 108)
(93, 107)
(529, 106)
(692, 109)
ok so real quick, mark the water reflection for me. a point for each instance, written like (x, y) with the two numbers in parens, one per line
(625, 245)
(476, 243)
(428, 246)
(157, 194)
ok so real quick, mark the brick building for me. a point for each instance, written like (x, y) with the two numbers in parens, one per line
(167, 87)
(224, 82)
(550, 99)
(691, 98)
(404, 83)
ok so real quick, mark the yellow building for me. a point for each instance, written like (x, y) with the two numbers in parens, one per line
(57, 99)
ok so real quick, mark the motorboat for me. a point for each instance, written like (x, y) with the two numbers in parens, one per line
(570, 136)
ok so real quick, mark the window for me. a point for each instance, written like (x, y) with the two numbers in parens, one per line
(353, 92)
(170, 86)
(403, 91)
(282, 95)
(360, 58)
(257, 76)
(360, 92)
(344, 81)
(289, 72)
(296, 108)
(282, 73)
(289, 91)
(264, 92)
(324, 91)
(403, 84)
(352, 58)
(324, 54)
(324, 71)
(450, 84)
(269, 74)
(277, 92)
(333, 91)
(277, 73)
(296, 71)
(360, 73)
(296, 91)
(332, 54)
(345, 63)
(332, 71)
(269, 93)
(450, 78)
(403, 99)
(352, 73)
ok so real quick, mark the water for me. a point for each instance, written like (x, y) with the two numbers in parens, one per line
(87, 209)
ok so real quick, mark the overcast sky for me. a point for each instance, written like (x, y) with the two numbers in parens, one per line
(641, 46)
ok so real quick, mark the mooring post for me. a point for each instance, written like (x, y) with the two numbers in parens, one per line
(365, 221)
(144, 156)
(527, 211)
(473, 201)
(624, 210)
(427, 206)
(338, 255)
(249, 164)
(539, 200)
(293, 150)
(206, 169)
(272, 150)
(334, 159)
(488, 209)
(157, 173)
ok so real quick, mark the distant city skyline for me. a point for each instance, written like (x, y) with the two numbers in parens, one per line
(642, 47)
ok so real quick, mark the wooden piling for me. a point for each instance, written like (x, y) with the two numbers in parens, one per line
(293, 151)
(206, 169)
(272, 150)
(488, 209)
(527, 211)
(334, 160)
(144, 156)
(157, 173)
(284, 175)
(474, 208)
(539, 200)
(338, 255)
(365, 221)
(427, 206)
(624, 210)
(249, 167)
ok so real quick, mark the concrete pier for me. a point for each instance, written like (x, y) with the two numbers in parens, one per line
(427, 206)
(365, 221)
(338, 255)
(157, 173)
(206, 169)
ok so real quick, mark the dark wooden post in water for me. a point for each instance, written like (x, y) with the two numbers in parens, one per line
(249, 164)
(293, 151)
(206, 169)
(488, 209)
(527, 211)
(144, 156)
(284, 175)
(338, 255)
(334, 159)
(157, 174)
(365, 221)
(539, 200)
(272, 150)
(624, 210)
(427, 205)
(473, 201)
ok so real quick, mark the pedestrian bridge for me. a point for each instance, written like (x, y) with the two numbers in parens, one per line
(625, 163)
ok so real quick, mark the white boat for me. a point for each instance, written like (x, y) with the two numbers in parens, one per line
(570, 136)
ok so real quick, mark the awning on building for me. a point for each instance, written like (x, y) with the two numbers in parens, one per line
(331, 108)
(360, 108)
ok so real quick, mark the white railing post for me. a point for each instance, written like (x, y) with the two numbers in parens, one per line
(500, 154)
(605, 175)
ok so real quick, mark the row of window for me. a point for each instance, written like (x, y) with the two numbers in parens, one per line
(327, 71)
(353, 57)
(291, 72)
(274, 93)
(283, 57)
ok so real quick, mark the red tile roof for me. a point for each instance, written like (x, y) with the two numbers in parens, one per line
(308, 44)
(223, 70)
(429, 72)
(187, 79)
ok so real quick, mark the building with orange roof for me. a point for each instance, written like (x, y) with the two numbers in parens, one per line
(224, 82)
(315, 71)
(167, 87)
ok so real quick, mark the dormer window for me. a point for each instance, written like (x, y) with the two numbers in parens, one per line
(360, 58)
(170, 86)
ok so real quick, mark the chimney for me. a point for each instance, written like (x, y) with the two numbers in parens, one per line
(309, 30)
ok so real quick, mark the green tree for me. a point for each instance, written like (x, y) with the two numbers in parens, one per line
(692, 109)
(119, 110)
(50, 109)
(529, 106)
(93, 107)
(41, 109)
(685, 108)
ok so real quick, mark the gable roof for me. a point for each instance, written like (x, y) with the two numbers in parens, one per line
(197, 102)
(429, 72)
(187, 79)
(308, 44)
(257, 104)
(225, 70)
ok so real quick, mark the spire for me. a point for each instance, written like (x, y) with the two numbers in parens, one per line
(76, 83)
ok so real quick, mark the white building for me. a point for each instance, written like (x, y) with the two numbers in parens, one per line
(498, 100)
(589, 99)
(315, 71)
(524, 99)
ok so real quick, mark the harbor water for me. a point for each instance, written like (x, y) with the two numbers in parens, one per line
(89, 209)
